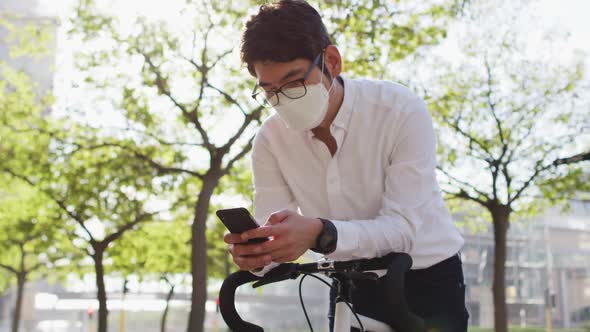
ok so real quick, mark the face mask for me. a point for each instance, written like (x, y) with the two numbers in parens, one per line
(308, 111)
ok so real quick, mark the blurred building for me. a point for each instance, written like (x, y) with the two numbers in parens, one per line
(23, 14)
(551, 252)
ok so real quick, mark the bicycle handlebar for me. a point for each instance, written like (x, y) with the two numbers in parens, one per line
(227, 302)
(396, 265)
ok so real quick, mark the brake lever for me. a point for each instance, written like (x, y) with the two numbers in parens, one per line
(279, 273)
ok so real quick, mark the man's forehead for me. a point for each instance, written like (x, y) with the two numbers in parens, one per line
(271, 72)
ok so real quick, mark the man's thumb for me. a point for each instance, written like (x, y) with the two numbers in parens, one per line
(278, 217)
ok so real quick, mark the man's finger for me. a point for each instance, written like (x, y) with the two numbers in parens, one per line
(252, 262)
(255, 249)
(279, 254)
(285, 258)
(278, 217)
(230, 238)
(247, 250)
(264, 231)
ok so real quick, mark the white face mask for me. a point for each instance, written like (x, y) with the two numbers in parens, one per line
(307, 112)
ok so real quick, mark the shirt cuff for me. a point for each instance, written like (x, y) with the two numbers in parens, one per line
(347, 246)
(264, 270)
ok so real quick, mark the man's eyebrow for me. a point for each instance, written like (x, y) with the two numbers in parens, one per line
(291, 73)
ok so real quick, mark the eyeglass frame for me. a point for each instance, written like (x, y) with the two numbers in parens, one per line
(276, 91)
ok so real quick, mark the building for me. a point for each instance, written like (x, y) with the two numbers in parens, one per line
(21, 14)
(552, 252)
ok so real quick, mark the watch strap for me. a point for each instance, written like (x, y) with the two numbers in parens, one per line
(327, 239)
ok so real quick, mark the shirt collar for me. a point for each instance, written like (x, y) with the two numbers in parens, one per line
(342, 119)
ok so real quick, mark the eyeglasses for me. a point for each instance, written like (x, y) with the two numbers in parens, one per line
(292, 90)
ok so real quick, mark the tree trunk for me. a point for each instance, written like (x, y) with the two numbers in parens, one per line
(227, 264)
(500, 216)
(165, 314)
(101, 291)
(20, 287)
(199, 256)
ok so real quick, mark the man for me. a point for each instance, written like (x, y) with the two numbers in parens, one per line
(356, 157)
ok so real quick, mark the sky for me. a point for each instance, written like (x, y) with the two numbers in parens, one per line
(566, 15)
(572, 15)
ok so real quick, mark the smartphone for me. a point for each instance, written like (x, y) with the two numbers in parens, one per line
(239, 220)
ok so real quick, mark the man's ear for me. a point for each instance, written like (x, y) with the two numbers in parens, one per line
(333, 60)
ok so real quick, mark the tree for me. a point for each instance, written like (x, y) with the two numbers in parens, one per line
(158, 250)
(99, 189)
(513, 129)
(33, 239)
(100, 192)
(181, 89)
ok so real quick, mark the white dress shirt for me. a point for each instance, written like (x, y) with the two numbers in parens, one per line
(379, 189)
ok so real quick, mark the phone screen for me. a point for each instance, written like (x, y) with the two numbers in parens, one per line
(239, 220)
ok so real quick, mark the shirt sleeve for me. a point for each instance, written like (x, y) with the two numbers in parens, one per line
(410, 186)
(271, 192)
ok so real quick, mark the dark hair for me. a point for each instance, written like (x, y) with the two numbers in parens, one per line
(282, 32)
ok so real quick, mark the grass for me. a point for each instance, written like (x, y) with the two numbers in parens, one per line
(479, 329)
(526, 329)
(512, 329)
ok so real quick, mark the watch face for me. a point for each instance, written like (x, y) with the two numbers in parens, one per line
(326, 240)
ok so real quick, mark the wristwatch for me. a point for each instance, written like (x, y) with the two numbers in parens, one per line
(327, 239)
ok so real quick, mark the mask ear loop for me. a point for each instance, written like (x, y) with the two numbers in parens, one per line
(323, 74)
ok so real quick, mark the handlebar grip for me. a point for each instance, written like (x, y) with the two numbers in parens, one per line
(227, 306)
(402, 261)
(394, 283)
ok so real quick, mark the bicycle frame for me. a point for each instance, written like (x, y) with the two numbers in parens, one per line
(344, 320)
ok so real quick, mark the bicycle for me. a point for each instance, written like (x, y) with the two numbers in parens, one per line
(343, 273)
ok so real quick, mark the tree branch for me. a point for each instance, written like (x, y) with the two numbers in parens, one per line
(35, 267)
(471, 139)
(507, 177)
(227, 97)
(204, 70)
(220, 57)
(492, 105)
(139, 218)
(472, 187)
(526, 113)
(71, 238)
(584, 156)
(59, 202)
(9, 268)
(189, 115)
(241, 154)
(74, 216)
(253, 116)
(158, 139)
(11, 241)
(462, 194)
(32, 236)
(497, 164)
(159, 167)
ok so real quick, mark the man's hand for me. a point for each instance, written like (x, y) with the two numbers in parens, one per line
(290, 234)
